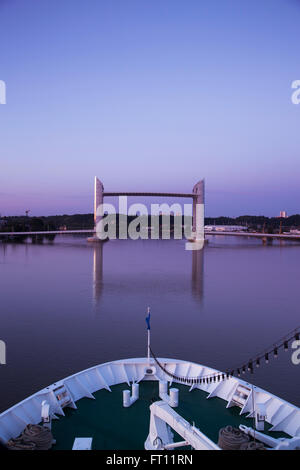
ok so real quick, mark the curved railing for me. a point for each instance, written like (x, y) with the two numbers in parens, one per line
(247, 366)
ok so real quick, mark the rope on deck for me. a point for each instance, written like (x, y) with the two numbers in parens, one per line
(231, 438)
(34, 437)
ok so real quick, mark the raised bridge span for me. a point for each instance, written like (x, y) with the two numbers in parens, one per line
(131, 193)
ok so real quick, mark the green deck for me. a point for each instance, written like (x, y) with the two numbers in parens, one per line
(113, 427)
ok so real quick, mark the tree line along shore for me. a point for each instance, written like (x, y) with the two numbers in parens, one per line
(86, 221)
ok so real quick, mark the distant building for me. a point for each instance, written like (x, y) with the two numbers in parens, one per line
(225, 228)
(283, 214)
(3, 222)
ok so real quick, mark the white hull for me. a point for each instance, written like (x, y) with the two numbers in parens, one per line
(282, 415)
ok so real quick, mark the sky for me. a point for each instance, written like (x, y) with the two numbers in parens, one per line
(149, 96)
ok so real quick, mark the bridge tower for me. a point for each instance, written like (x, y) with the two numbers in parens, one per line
(198, 210)
(98, 199)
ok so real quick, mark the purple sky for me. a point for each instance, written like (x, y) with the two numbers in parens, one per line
(149, 95)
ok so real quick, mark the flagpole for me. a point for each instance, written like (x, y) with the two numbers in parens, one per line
(149, 347)
(148, 330)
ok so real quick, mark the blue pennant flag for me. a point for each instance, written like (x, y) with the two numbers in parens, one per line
(148, 320)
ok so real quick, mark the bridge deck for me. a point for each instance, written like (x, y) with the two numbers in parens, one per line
(126, 193)
(44, 232)
(284, 236)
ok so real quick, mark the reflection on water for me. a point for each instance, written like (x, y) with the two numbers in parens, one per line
(196, 281)
(197, 273)
(97, 271)
(69, 305)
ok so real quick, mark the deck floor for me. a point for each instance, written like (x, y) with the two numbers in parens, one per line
(113, 427)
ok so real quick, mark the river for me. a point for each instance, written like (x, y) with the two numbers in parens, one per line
(68, 305)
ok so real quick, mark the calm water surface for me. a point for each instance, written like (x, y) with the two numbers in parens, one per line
(68, 305)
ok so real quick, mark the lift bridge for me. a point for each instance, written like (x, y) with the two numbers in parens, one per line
(197, 196)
